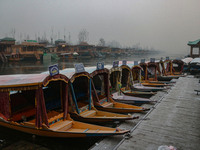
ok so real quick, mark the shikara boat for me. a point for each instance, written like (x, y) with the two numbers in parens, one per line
(140, 87)
(151, 70)
(168, 71)
(81, 100)
(127, 82)
(38, 104)
(137, 77)
(138, 74)
(177, 65)
(195, 65)
(130, 99)
(137, 94)
(101, 94)
(186, 66)
(130, 76)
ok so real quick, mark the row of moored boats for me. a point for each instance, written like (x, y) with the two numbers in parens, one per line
(48, 104)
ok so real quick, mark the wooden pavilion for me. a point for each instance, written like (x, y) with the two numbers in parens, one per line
(194, 44)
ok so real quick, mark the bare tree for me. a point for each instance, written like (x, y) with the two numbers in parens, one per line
(28, 37)
(114, 44)
(102, 42)
(13, 32)
(83, 36)
(69, 39)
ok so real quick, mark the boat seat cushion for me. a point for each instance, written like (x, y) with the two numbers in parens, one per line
(2, 116)
(27, 112)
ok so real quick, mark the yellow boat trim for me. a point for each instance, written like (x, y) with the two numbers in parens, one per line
(15, 88)
(126, 67)
(55, 80)
(79, 75)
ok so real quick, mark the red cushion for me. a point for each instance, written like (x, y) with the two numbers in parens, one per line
(27, 113)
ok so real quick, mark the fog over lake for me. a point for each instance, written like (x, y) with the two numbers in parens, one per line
(165, 25)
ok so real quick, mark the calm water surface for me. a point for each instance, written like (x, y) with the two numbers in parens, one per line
(8, 136)
(27, 67)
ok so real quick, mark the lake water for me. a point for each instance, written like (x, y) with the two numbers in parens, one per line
(26, 67)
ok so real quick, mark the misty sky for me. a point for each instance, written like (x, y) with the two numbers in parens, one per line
(165, 25)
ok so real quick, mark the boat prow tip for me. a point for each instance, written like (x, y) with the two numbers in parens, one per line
(145, 109)
(135, 117)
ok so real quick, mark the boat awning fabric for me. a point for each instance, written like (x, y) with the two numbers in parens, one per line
(187, 60)
(27, 81)
(72, 75)
(4, 107)
(178, 61)
(195, 60)
(126, 67)
(137, 67)
(151, 64)
(102, 71)
(41, 113)
(105, 73)
(143, 64)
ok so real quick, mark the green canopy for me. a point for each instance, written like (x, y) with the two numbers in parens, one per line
(8, 39)
(194, 42)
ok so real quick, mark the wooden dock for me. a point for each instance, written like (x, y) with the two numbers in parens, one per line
(174, 121)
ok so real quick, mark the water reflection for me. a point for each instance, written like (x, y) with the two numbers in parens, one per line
(26, 67)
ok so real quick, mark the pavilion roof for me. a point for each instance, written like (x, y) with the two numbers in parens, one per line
(194, 43)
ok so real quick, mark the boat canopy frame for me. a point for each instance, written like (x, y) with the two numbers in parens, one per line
(38, 81)
(105, 73)
(139, 68)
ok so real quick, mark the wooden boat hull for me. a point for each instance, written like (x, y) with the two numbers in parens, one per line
(169, 77)
(116, 107)
(76, 133)
(137, 93)
(167, 83)
(131, 99)
(104, 117)
(121, 110)
(153, 84)
(139, 87)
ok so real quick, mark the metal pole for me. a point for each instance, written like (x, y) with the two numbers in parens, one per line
(90, 99)
(74, 98)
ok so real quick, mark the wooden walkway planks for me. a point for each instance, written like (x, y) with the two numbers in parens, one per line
(175, 121)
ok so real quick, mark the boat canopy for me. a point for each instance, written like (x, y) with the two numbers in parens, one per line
(100, 81)
(96, 72)
(187, 60)
(144, 71)
(195, 60)
(137, 67)
(152, 68)
(177, 65)
(136, 73)
(31, 96)
(27, 81)
(126, 76)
